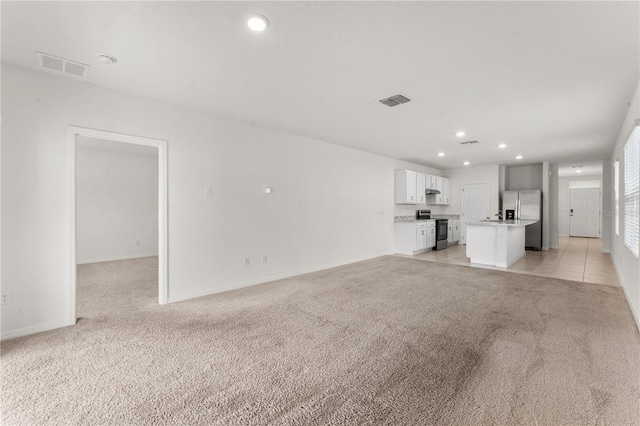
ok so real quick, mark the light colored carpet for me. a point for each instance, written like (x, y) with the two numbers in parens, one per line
(386, 341)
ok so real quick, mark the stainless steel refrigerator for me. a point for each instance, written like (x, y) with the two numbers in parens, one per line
(526, 204)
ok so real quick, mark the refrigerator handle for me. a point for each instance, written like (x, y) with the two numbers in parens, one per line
(518, 209)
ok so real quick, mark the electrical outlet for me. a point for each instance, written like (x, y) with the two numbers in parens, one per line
(247, 261)
(265, 259)
(5, 298)
(137, 242)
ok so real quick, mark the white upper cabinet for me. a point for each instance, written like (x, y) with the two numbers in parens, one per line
(440, 187)
(441, 184)
(410, 187)
(420, 187)
(446, 194)
(430, 181)
(406, 187)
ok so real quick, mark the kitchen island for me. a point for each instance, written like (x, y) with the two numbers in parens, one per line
(496, 242)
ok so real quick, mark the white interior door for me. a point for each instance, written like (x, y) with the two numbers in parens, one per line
(476, 205)
(584, 213)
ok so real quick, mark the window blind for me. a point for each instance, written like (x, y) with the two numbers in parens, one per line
(632, 190)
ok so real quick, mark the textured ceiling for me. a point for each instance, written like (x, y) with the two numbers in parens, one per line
(550, 79)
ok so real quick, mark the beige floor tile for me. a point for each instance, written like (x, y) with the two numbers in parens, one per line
(609, 280)
(576, 259)
(599, 273)
(570, 277)
(570, 266)
(571, 261)
(605, 266)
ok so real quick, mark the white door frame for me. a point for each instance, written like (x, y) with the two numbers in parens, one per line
(72, 133)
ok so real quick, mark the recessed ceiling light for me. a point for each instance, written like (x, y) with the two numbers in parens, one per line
(257, 22)
(466, 163)
(502, 145)
(106, 59)
(518, 157)
(460, 134)
(441, 154)
(578, 171)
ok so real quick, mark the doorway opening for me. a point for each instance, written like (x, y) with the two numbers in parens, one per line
(98, 233)
(580, 199)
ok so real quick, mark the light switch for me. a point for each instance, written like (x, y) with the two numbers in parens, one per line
(267, 190)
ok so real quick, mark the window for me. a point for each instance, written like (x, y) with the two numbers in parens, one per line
(632, 190)
(616, 196)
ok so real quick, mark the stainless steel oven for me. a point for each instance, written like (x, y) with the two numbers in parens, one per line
(441, 234)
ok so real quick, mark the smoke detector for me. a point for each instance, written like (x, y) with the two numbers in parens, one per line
(107, 59)
(394, 100)
(62, 66)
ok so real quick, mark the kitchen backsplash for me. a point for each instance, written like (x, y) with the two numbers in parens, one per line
(410, 210)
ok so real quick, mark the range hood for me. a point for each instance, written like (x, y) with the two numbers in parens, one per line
(431, 191)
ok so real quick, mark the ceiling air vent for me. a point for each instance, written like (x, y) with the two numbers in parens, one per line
(469, 142)
(394, 100)
(63, 66)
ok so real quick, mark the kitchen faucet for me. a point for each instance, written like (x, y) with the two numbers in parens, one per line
(499, 214)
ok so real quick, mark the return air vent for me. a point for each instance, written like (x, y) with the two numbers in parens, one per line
(63, 66)
(577, 167)
(394, 100)
(469, 142)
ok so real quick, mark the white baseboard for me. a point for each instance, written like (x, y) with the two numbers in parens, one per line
(111, 259)
(34, 329)
(626, 295)
(563, 235)
(236, 286)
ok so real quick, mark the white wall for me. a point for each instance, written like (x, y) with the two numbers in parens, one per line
(626, 263)
(468, 175)
(606, 220)
(330, 205)
(117, 203)
(553, 201)
(524, 177)
(564, 201)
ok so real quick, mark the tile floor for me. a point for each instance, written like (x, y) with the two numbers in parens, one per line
(576, 259)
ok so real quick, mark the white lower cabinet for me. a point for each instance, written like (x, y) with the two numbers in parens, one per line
(431, 234)
(453, 231)
(456, 230)
(414, 237)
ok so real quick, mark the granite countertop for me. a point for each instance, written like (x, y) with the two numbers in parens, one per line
(409, 219)
(433, 217)
(502, 223)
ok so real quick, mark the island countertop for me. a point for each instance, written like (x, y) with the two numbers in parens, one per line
(522, 222)
(496, 243)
